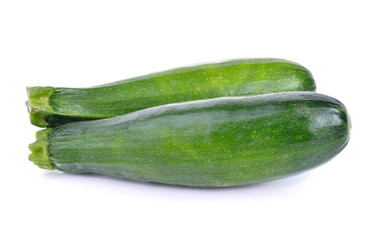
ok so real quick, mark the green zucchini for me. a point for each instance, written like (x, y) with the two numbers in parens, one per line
(49, 106)
(206, 143)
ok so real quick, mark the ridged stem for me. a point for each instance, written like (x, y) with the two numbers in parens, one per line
(39, 153)
(38, 104)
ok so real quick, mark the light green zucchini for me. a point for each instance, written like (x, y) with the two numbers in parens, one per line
(49, 106)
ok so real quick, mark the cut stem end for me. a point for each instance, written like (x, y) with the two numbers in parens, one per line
(38, 104)
(39, 153)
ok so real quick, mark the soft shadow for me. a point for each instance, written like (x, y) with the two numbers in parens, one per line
(275, 185)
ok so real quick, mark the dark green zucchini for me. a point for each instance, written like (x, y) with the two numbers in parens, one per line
(206, 143)
(51, 107)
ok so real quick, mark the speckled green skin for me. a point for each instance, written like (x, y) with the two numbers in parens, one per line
(208, 143)
(230, 78)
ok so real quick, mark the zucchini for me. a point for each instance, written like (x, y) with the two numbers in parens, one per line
(206, 143)
(49, 106)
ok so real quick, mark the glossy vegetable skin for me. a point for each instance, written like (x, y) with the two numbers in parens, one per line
(208, 143)
(49, 106)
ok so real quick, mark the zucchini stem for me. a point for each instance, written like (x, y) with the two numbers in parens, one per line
(38, 104)
(39, 153)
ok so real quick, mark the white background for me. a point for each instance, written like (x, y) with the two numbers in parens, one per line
(86, 43)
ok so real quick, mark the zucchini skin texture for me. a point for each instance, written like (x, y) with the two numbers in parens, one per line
(230, 78)
(208, 143)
